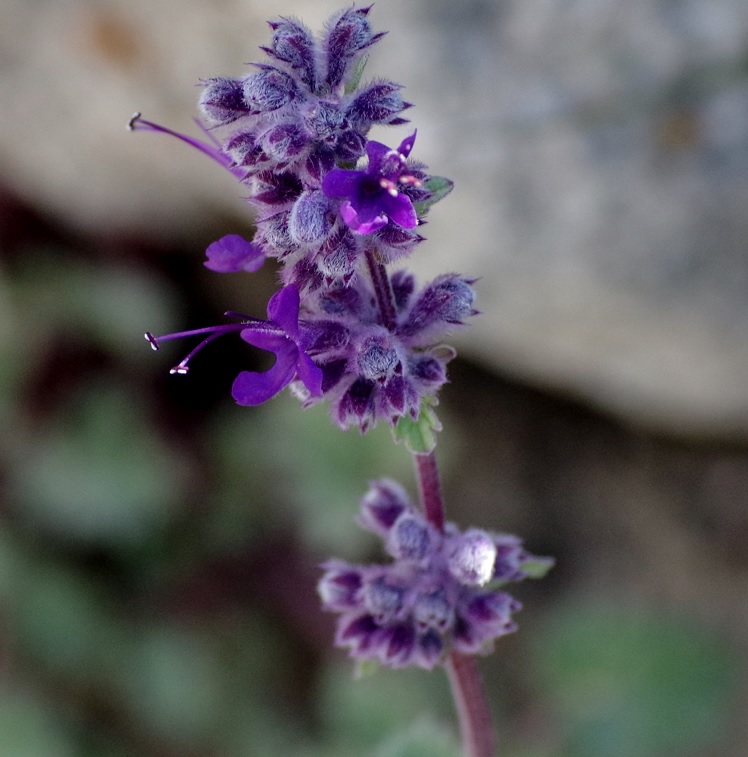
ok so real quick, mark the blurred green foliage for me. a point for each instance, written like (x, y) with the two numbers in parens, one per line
(625, 681)
(158, 563)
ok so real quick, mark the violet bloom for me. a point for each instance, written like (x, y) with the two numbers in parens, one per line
(232, 253)
(280, 336)
(373, 197)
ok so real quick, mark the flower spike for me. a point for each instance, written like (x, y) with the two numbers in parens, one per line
(442, 592)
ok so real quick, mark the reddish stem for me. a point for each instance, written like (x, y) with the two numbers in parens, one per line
(475, 718)
(429, 488)
(464, 677)
(467, 689)
(383, 291)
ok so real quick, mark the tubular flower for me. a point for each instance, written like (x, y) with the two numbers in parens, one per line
(442, 592)
(282, 334)
(373, 197)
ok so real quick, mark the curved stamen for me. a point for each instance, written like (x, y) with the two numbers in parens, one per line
(410, 180)
(182, 367)
(137, 123)
(213, 332)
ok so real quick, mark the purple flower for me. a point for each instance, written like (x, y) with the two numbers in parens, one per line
(232, 253)
(280, 336)
(369, 343)
(441, 592)
(373, 197)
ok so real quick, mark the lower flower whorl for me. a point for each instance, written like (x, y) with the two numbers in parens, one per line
(442, 592)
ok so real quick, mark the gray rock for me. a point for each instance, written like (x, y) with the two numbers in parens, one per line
(600, 151)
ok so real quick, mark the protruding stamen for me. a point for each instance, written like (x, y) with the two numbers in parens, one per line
(413, 181)
(212, 332)
(152, 341)
(389, 186)
(214, 151)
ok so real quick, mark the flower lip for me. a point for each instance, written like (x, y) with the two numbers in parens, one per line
(252, 388)
(233, 253)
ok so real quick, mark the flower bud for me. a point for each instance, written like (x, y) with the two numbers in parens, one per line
(222, 101)
(471, 557)
(269, 89)
(311, 219)
(340, 585)
(382, 505)
(284, 142)
(410, 538)
(349, 33)
(433, 610)
(383, 600)
(293, 43)
(446, 300)
(377, 358)
(379, 103)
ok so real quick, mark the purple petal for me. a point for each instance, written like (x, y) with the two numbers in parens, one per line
(355, 221)
(309, 373)
(283, 309)
(407, 145)
(400, 643)
(376, 152)
(264, 339)
(232, 253)
(400, 210)
(341, 183)
(251, 388)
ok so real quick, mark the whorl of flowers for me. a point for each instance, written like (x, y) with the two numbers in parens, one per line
(442, 592)
(343, 328)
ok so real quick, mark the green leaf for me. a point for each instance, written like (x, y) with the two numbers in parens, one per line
(537, 567)
(439, 188)
(419, 435)
(355, 80)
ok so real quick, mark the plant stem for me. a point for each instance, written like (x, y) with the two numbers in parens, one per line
(470, 700)
(383, 291)
(464, 678)
(429, 488)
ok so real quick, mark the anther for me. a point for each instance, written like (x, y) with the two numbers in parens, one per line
(389, 187)
(151, 340)
(179, 370)
(135, 118)
(410, 179)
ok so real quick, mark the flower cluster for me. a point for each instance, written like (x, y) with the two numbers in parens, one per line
(343, 327)
(441, 592)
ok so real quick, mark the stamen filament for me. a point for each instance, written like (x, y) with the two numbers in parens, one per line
(137, 123)
(213, 332)
(182, 367)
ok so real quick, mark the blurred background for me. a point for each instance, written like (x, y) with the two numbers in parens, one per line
(159, 545)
